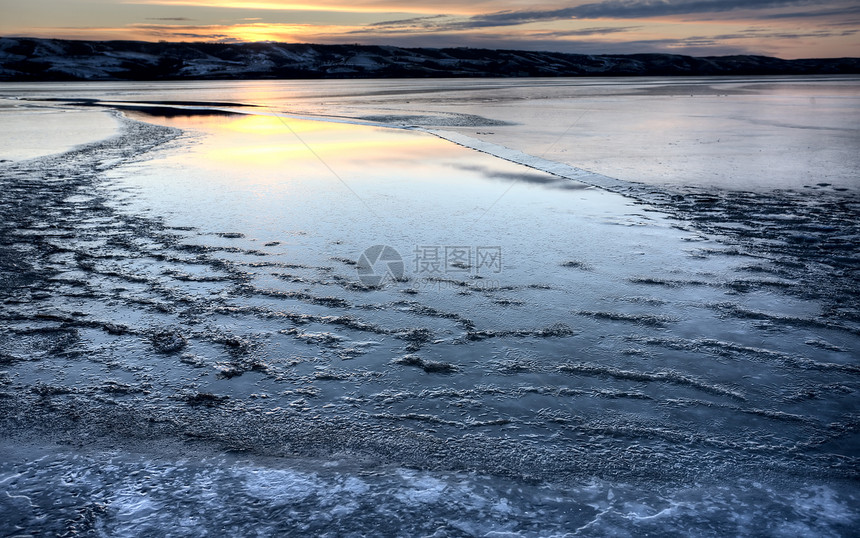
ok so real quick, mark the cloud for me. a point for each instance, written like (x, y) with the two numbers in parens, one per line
(775, 27)
(659, 8)
(611, 9)
(408, 27)
(630, 9)
(355, 6)
(603, 30)
(854, 23)
(506, 12)
(415, 21)
(763, 33)
(838, 12)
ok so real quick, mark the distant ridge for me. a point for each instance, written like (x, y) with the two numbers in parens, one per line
(26, 59)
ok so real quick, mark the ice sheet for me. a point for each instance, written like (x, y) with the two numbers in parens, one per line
(140, 492)
(744, 133)
(34, 132)
(208, 285)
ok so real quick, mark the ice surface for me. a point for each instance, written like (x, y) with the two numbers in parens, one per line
(30, 132)
(679, 363)
(110, 492)
(748, 133)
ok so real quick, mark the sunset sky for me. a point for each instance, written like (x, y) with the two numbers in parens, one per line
(784, 28)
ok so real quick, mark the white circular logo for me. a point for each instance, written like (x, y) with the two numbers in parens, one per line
(378, 264)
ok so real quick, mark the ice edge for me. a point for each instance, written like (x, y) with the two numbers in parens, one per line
(538, 163)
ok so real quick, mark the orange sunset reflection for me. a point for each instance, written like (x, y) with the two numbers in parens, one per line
(280, 143)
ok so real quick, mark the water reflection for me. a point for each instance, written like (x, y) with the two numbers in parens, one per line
(727, 132)
(327, 191)
(534, 178)
(271, 141)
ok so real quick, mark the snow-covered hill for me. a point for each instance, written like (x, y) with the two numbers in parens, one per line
(51, 59)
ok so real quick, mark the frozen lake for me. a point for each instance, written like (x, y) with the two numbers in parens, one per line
(342, 327)
(730, 132)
